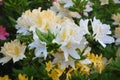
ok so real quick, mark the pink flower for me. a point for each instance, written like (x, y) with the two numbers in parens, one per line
(54, 0)
(1, 2)
(3, 33)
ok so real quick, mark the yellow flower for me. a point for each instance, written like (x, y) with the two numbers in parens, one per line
(12, 50)
(116, 17)
(97, 62)
(68, 74)
(22, 77)
(54, 75)
(92, 58)
(4, 78)
(84, 68)
(56, 72)
(117, 35)
(48, 66)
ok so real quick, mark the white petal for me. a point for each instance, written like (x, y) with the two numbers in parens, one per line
(23, 30)
(33, 44)
(65, 53)
(107, 39)
(40, 48)
(67, 63)
(74, 54)
(84, 25)
(101, 42)
(72, 64)
(86, 61)
(88, 9)
(4, 60)
(69, 4)
(87, 51)
(118, 41)
(75, 14)
(17, 58)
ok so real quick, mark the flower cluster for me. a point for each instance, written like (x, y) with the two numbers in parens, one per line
(64, 45)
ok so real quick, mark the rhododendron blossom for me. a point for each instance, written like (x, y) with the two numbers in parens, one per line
(101, 32)
(69, 37)
(12, 50)
(3, 33)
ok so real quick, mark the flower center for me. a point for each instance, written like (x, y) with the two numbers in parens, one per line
(16, 50)
(63, 36)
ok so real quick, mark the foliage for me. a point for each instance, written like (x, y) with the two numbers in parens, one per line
(34, 66)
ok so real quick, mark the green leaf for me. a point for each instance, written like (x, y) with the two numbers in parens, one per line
(79, 5)
(78, 76)
(42, 36)
(115, 65)
(45, 37)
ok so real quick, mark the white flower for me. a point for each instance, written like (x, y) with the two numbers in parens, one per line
(101, 32)
(84, 25)
(40, 47)
(12, 50)
(70, 49)
(23, 23)
(69, 37)
(64, 11)
(84, 44)
(64, 64)
(88, 8)
(116, 1)
(103, 2)
(67, 3)
(23, 31)
(43, 20)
